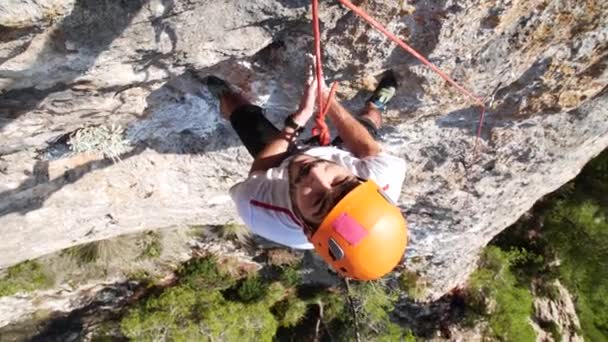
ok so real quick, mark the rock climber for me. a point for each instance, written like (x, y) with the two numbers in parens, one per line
(337, 199)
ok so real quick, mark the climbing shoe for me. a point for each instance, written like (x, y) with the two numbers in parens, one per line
(384, 91)
(217, 86)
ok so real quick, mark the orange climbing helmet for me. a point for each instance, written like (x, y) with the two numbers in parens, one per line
(364, 236)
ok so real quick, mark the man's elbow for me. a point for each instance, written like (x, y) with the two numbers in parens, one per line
(368, 150)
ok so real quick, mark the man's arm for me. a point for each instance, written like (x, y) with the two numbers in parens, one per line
(276, 151)
(356, 138)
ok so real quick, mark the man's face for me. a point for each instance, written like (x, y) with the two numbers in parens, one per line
(316, 185)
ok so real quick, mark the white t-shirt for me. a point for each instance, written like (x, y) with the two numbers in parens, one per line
(264, 204)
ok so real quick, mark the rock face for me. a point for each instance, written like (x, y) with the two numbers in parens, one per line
(559, 310)
(84, 65)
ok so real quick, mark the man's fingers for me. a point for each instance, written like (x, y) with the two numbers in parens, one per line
(312, 73)
(312, 60)
(313, 83)
(311, 69)
(311, 78)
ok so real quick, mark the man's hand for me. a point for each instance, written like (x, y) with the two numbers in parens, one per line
(309, 96)
(276, 151)
(356, 137)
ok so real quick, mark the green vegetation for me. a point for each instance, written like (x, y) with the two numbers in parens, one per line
(569, 226)
(236, 232)
(25, 277)
(210, 303)
(204, 274)
(412, 285)
(253, 289)
(291, 311)
(182, 313)
(576, 233)
(552, 328)
(290, 276)
(372, 302)
(151, 245)
(376, 301)
(128, 255)
(496, 293)
(102, 252)
(196, 309)
(83, 254)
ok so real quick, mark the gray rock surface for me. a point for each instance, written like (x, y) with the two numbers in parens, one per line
(561, 311)
(68, 65)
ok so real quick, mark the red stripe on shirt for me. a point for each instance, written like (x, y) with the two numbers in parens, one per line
(269, 206)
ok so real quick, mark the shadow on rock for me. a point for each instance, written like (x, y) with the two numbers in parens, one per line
(36, 189)
(89, 29)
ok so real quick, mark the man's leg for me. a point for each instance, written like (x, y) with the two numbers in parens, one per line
(371, 115)
(248, 120)
(375, 105)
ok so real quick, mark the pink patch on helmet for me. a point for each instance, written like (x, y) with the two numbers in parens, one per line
(349, 229)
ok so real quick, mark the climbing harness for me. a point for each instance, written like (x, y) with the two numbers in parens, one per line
(321, 128)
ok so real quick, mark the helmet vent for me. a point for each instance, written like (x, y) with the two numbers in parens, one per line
(335, 251)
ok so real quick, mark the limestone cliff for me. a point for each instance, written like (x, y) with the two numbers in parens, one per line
(75, 74)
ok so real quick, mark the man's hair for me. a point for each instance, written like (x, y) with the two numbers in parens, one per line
(345, 189)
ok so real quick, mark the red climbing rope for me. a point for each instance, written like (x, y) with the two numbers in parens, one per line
(320, 119)
(321, 128)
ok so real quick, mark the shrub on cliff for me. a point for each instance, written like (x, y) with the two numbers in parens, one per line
(578, 235)
(373, 302)
(495, 293)
(575, 232)
(196, 309)
(568, 232)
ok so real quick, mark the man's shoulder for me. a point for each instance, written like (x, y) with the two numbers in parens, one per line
(275, 174)
(261, 189)
(264, 205)
(261, 183)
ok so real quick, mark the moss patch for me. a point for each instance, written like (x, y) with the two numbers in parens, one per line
(151, 245)
(412, 285)
(25, 277)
